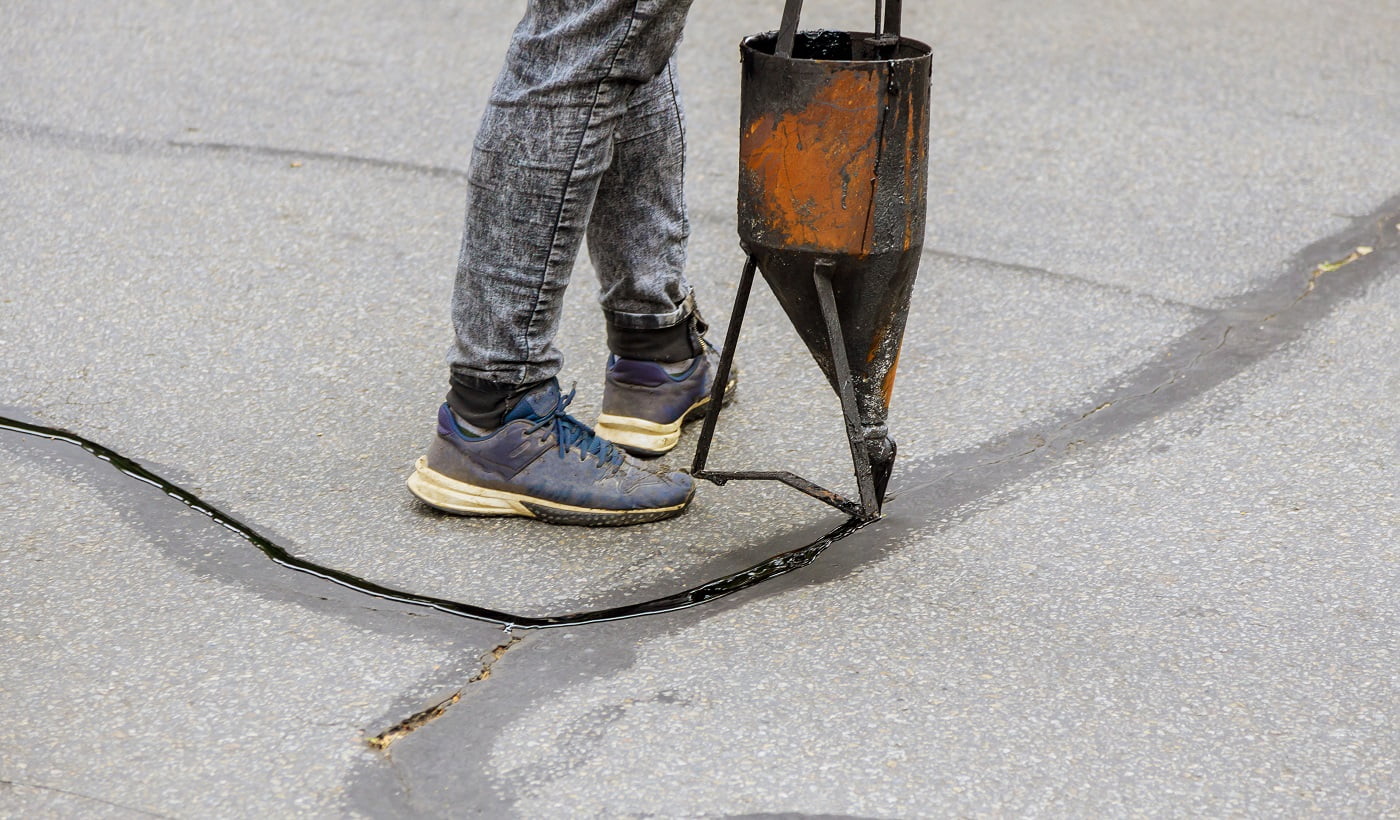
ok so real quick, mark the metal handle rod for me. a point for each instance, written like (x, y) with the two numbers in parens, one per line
(893, 11)
(787, 34)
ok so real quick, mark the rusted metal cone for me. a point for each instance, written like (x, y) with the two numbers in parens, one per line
(832, 186)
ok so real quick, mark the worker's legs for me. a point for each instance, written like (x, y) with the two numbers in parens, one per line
(547, 141)
(505, 444)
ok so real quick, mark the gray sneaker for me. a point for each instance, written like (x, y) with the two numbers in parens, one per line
(645, 405)
(543, 463)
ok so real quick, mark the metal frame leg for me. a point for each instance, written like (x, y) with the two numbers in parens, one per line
(726, 362)
(869, 508)
(860, 455)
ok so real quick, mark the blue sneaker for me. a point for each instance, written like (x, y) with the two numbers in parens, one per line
(543, 463)
(645, 403)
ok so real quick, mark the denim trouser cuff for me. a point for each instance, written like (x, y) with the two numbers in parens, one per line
(668, 337)
(651, 321)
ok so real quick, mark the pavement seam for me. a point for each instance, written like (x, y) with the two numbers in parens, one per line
(1058, 276)
(123, 145)
(114, 804)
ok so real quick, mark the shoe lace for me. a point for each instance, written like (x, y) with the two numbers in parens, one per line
(573, 434)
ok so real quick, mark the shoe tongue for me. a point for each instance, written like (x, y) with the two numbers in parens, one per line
(536, 404)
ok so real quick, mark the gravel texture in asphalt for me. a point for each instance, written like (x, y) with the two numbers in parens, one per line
(1141, 552)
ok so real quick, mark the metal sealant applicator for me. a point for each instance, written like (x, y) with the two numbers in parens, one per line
(833, 178)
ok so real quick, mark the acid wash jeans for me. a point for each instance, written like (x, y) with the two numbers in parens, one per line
(582, 136)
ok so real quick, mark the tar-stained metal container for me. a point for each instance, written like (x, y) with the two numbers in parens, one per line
(833, 174)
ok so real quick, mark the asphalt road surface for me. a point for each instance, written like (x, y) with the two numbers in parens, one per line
(1141, 552)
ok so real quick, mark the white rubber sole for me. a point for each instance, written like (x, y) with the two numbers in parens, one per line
(639, 436)
(458, 497)
(650, 438)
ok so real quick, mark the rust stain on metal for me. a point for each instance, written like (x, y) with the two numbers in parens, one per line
(885, 346)
(816, 166)
(913, 148)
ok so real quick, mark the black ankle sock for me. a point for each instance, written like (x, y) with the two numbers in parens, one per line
(483, 403)
(664, 344)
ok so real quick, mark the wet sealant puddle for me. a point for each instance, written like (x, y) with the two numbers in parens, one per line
(772, 567)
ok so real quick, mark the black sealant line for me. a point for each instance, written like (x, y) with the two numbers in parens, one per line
(1253, 318)
(777, 565)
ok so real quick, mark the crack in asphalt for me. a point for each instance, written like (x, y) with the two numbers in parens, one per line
(412, 723)
(1328, 267)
